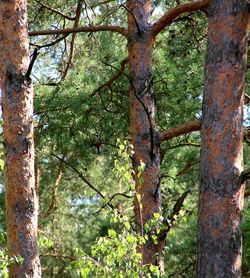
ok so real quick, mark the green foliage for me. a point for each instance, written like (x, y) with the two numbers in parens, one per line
(5, 261)
(82, 237)
(115, 255)
(246, 240)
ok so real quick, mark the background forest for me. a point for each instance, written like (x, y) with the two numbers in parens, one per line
(83, 141)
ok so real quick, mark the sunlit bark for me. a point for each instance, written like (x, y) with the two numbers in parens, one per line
(17, 101)
(221, 189)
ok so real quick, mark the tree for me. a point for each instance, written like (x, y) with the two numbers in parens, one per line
(141, 35)
(17, 103)
(69, 116)
(221, 185)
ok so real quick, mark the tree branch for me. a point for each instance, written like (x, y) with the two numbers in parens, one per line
(176, 210)
(134, 17)
(53, 201)
(84, 29)
(114, 78)
(72, 43)
(80, 175)
(187, 128)
(111, 198)
(32, 62)
(55, 11)
(180, 130)
(173, 13)
(50, 43)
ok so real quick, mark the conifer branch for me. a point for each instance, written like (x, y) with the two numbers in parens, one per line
(180, 130)
(113, 78)
(171, 218)
(72, 43)
(50, 43)
(55, 11)
(178, 10)
(84, 29)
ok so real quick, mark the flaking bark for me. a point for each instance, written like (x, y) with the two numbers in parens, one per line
(221, 192)
(144, 135)
(17, 105)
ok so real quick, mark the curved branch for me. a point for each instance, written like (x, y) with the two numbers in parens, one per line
(72, 43)
(114, 78)
(84, 29)
(53, 201)
(180, 130)
(50, 43)
(173, 13)
(172, 217)
(111, 198)
(134, 17)
(55, 11)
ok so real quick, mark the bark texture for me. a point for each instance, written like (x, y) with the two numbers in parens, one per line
(17, 99)
(221, 191)
(144, 135)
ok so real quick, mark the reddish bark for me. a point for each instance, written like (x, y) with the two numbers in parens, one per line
(144, 135)
(85, 29)
(180, 130)
(145, 139)
(141, 35)
(221, 189)
(17, 98)
(178, 10)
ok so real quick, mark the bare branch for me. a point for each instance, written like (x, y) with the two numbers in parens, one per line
(114, 78)
(176, 210)
(180, 130)
(173, 13)
(85, 29)
(55, 11)
(53, 201)
(32, 61)
(80, 175)
(111, 198)
(50, 43)
(72, 47)
(187, 128)
(135, 19)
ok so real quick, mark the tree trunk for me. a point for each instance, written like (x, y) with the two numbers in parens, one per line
(221, 192)
(17, 102)
(144, 135)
